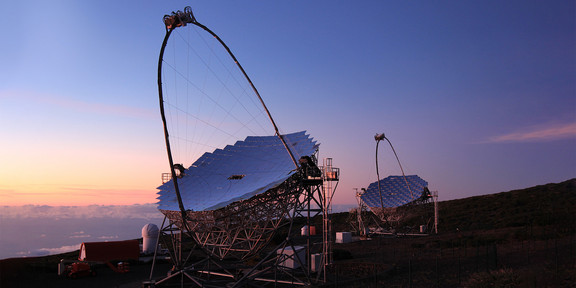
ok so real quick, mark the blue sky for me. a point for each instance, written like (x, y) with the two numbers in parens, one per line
(477, 97)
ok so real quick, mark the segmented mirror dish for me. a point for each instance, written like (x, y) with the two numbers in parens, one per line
(237, 197)
(236, 172)
(396, 191)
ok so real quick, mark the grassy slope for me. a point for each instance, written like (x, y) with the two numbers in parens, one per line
(549, 205)
(543, 205)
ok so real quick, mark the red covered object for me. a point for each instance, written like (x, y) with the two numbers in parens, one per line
(108, 251)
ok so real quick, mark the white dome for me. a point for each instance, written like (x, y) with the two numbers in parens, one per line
(150, 230)
(149, 237)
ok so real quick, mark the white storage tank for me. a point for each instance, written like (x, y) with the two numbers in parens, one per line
(316, 262)
(288, 256)
(150, 238)
(308, 230)
(343, 237)
(422, 228)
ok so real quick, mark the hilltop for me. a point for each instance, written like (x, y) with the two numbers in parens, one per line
(522, 238)
(551, 205)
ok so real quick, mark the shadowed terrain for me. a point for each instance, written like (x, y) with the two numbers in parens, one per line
(520, 238)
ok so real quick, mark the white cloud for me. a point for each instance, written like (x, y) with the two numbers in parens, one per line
(80, 234)
(136, 211)
(108, 237)
(538, 134)
(48, 251)
(77, 104)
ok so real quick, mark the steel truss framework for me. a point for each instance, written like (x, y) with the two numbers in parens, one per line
(241, 228)
(231, 236)
(356, 216)
(392, 218)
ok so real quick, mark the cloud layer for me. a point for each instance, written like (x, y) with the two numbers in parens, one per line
(33, 230)
(538, 134)
(136, 211)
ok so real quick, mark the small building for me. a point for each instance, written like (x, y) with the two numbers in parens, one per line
(109, 251)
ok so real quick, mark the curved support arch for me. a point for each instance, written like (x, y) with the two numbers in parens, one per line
(378, 138)
(179, 19)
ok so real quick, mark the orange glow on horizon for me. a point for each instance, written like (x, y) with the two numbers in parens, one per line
(77, 196)
(105, 173)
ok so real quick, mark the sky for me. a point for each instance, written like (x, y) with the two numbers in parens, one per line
(477, 97)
